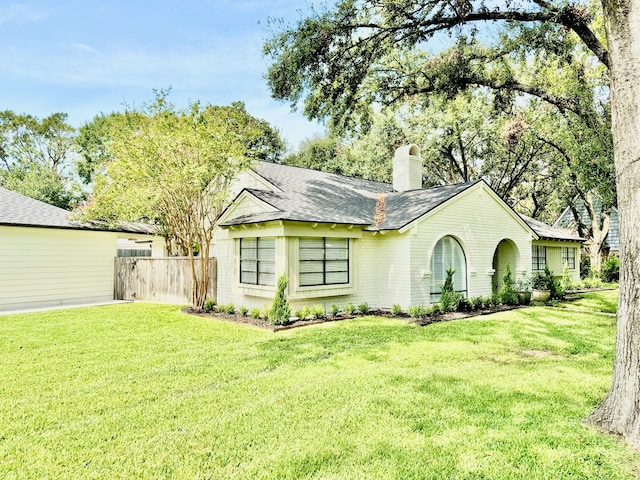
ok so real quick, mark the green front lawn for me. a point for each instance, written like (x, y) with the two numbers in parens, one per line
(144, 391)
(605, 301)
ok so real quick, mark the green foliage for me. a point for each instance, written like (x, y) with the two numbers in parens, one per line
(230, 308)
(585, 267)
(567, 282)
(280, 310)
(36, 158)
(209, 305)
(349, 308)
(418, 311)
(396, 309)
(523, 110)
(507, 291)
(243, 310)
(477, 303)
(334, 309)
(449, 298)
(173, 168)
(317, 311)
(363, 308)
(540, 281)
(611, 269)
(437, 308)
(304, 313)
(256, 312)
(592, 281)
(465, 305)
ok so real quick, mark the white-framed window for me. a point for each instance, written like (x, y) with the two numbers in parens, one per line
(448, 253)
(323, 261)
(539, 257)
(569, 257)
(258, 261)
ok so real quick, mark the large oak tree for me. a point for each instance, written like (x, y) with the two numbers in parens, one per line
(360, 53)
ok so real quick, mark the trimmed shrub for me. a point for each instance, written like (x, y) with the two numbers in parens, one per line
(304, 313)
(209, 305)
(334, 309)
(417, 311)
(465, 305)
(230, 308)
(317, 311)
(396, 309)
(256, 312)
(243, 310)
(280, 310)
(435, 309)
(349, 308)
(363, 308)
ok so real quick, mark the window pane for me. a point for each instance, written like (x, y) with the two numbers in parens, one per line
(266, 279)
(337, 277)
(337, 254)
(446, 254)
(249, 277)
(337, 243)
(311, 267)
(337, 266)
(307, 279)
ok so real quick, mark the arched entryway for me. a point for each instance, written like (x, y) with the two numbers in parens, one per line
(506, 253)
(448, 253)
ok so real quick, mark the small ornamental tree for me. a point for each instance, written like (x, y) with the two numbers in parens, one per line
(508, 294)
(173, 168)
(448, 296)
(280, 309)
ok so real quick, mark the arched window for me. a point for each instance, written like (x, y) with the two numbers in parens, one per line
(448, 254)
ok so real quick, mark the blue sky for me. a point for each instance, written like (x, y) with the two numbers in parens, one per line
(86, 57)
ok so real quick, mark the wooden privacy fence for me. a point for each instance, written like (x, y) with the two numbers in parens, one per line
(164, 280)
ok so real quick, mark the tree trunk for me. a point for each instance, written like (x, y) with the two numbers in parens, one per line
(620, 411)
(600, 222)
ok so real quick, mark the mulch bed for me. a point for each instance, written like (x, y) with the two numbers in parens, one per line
(258, 322)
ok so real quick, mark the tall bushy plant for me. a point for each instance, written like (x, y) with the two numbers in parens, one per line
(448, 296)
(611, 269)
(556, 290)
(508, 294)
(280, 310)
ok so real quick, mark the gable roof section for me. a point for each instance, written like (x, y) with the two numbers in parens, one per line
(21, 211)
(547, 232)
(313, 196)
(402, 208)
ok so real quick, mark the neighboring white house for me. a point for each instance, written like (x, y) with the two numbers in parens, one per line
(46, 259)
(341, 239)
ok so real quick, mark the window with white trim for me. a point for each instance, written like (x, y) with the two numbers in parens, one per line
(569, 257)
(538, 257)
(258, 261)
(323, 261)
(448, 254)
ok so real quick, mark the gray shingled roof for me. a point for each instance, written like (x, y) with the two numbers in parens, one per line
(545, 231)
(19, 210)
(313, 196)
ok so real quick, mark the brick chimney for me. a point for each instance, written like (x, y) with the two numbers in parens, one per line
(407, 168)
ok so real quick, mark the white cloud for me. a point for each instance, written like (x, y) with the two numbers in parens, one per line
(21, 13)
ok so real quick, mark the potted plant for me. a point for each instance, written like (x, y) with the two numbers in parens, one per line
(523, 291)
(541, 287)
